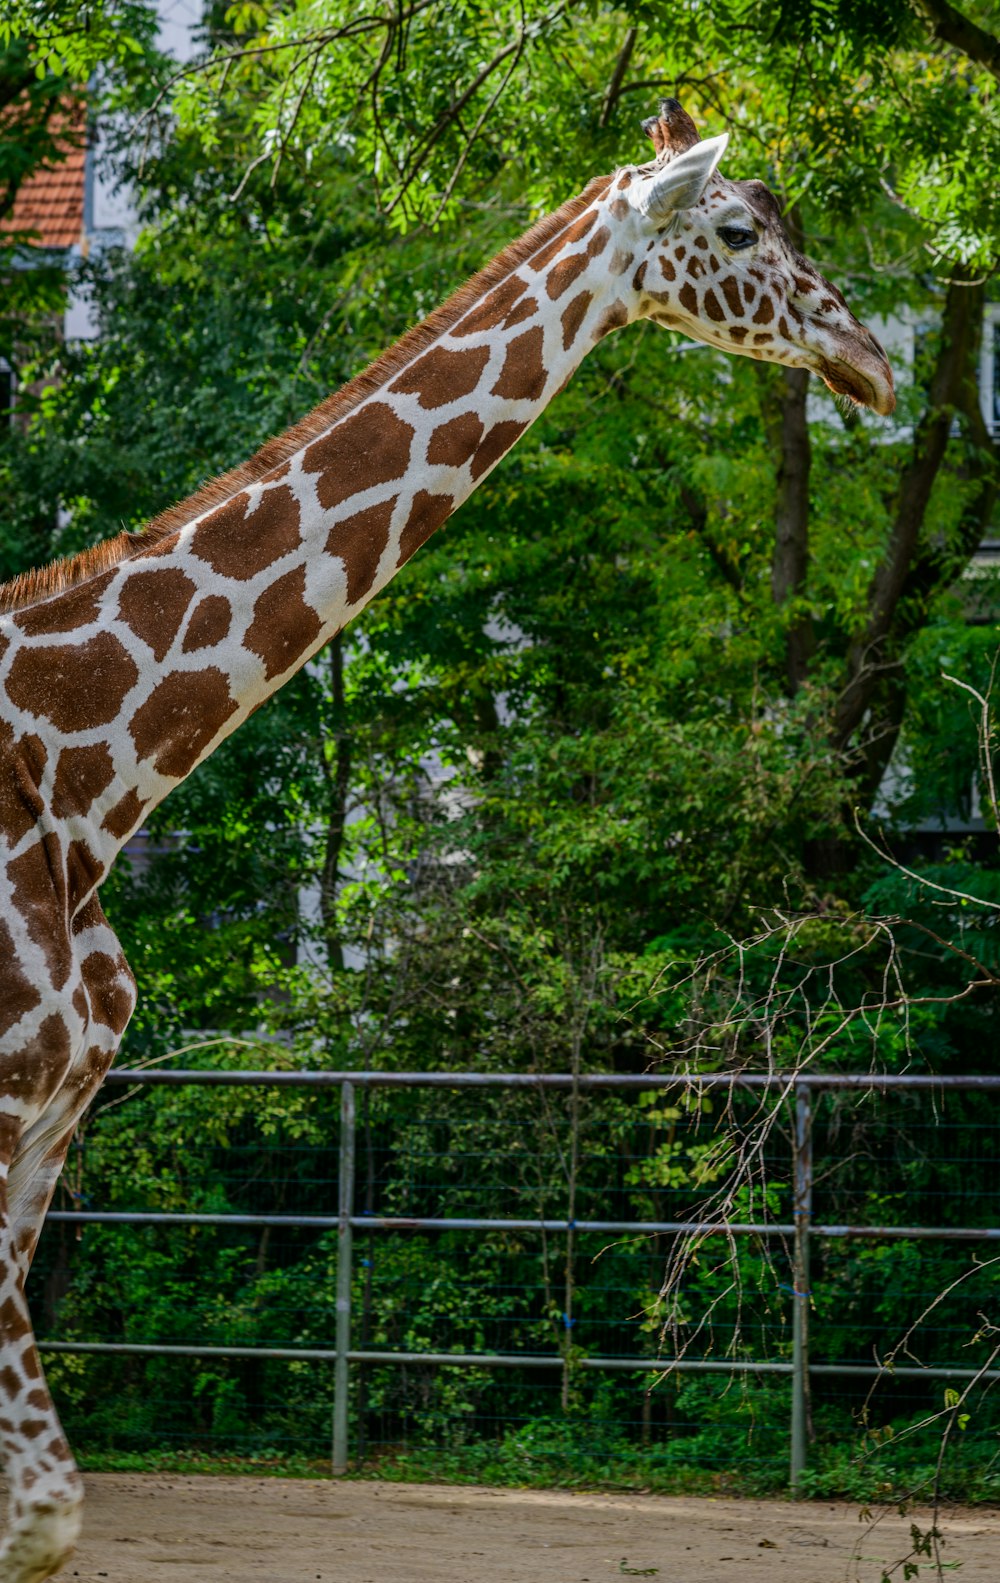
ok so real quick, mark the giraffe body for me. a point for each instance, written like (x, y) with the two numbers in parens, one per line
(120, 671)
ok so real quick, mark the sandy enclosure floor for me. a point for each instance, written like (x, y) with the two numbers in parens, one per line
(225, 1530)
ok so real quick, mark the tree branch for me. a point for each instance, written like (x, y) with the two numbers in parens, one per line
(952, 388)
(784, 418)
(614, 88)
(697, 510)
(951, 27)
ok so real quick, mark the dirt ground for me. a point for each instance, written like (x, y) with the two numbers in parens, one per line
(225, 1530)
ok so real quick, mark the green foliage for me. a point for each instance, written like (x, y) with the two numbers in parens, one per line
(587, 821)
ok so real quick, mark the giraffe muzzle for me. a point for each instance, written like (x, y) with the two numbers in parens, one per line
(862, 373)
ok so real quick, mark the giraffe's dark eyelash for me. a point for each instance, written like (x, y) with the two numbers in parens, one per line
(737, 237)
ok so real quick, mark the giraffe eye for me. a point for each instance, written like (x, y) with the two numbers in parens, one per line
(736, 237)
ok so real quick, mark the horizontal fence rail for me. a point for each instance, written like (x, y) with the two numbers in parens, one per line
(586, 1082)
(700, 1228)
(511, 1360)
(346, 1221)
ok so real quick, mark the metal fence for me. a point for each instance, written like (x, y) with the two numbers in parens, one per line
(797, 1232)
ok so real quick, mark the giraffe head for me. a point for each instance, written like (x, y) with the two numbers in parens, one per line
(721, 267)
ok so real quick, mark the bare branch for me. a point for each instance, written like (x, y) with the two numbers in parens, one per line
(614, 88)
(951, 27)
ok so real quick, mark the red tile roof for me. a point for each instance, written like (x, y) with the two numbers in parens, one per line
(50, 203)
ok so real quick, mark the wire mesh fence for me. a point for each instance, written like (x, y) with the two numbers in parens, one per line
(462, 1274)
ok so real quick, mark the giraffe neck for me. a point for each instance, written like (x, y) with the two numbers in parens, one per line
(122, 683)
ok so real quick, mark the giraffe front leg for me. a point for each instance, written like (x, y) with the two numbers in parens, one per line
(45, 1490)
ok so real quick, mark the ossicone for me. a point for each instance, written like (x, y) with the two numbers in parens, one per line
(672, 131)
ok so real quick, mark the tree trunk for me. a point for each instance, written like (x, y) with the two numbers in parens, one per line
(790, 562)
(953, 391)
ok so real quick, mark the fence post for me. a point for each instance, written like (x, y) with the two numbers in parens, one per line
(345, 1209)
(800, 1285)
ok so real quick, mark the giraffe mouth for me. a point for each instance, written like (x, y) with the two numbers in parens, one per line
(874, 390)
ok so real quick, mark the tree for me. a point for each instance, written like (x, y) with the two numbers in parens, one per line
(612, 717)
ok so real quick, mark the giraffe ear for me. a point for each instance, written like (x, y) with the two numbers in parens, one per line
(680, 184)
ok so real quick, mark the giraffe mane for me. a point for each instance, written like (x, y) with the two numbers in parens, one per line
(31, 587)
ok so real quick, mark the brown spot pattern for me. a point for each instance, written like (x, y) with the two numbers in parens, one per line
(359, 542)
(39, 894)
(498, 440)
(154, 604)
(111, 989)
(13, 1320)
(453, 443)
(160, 547)
(574, 315)
(523, 375)
(284, 625)
(525, 309)
(441, 376)
(83, 870)
(731, 291)
(75, 685)
(122, 819)
(38, 1079)
(562, 275)
(369, 448)
(713, 307)
(426, 514)
(493, 310)
(18, 994)
(640, 275)
(209, 624)
(65, 611)
(239, 546)
(572, 234)
(689, 297)
(179, 719)
(612, 319)
(81, 775)
(21, 769)
(578, 230)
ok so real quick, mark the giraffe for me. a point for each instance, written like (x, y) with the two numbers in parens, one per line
(122, 668)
